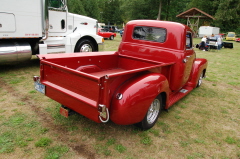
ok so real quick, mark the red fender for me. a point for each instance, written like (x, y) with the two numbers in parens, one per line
(198, 67)
(132, 100)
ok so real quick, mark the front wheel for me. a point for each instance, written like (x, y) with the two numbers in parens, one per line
(84, 45)
(152, 114)
(200, 80)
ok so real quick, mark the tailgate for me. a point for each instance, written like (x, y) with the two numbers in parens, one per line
(76, 90)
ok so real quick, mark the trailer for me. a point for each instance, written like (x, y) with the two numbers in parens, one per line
(208, 31)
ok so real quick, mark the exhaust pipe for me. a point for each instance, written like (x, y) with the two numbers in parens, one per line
(46, 20)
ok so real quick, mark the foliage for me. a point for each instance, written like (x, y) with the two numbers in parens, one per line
(225, 12)
(75, 6)
(110, 11)
(91, 8)
(116, 12)
(227, 15)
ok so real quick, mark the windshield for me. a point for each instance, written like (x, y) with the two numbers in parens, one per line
(57, 4)
(230, 35)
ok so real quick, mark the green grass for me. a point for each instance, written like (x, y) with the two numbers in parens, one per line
(120, 148)
(56, 152)
(223, 65)
(204, 124)
(43, 142)
(111, 142)
(10, 139)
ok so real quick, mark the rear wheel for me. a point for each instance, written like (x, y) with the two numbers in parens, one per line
(152, 114)
(84, 45)
(111, 37)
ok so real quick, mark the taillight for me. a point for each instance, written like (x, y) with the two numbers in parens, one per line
(35, 78)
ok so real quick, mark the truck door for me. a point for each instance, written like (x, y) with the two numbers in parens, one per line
(189, 58)
(57, 16)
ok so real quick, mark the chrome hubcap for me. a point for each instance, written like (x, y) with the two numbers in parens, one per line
(86, 48)
(200, 80)
(153, 111)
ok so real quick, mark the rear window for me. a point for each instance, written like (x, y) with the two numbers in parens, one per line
(150, 34)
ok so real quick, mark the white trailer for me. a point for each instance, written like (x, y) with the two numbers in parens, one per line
(30, 27)
(208, 31)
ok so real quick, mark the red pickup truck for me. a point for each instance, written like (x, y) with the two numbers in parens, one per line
(154, 67)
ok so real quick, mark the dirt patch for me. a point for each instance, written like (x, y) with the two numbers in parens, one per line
(83, 150)
(47, 121)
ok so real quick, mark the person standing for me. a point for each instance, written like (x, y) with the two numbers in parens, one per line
(219, 42)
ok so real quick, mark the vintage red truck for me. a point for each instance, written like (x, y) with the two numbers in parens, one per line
(154, 67)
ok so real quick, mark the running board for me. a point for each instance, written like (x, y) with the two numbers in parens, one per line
(179, 95)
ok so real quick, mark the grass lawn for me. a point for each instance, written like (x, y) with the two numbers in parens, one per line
(204, 124)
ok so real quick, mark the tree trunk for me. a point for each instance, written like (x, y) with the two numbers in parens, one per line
(159, 11)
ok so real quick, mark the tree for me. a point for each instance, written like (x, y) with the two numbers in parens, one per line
(227, 15)
(149, 9)
(159, 11)
(226, 12)
(111, 11)
(91, 8)
(210, 6)
(75, 6)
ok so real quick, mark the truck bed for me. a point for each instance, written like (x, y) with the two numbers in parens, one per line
(83, 81)
(99, 64)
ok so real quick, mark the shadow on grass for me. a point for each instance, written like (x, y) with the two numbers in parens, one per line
(34, 62)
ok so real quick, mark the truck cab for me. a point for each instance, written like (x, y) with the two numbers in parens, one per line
(170, 42)
(45, 27)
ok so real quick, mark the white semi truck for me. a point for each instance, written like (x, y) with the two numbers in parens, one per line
(29, 27)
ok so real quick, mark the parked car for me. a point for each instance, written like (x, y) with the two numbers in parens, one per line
(231, 36)
(111, 28)
(106, 34)
(237, 39)
(223, 35)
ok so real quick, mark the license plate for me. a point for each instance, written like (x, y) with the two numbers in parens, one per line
(39, 87)
(64, 112)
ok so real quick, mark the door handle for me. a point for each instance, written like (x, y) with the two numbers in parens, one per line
(185, 59)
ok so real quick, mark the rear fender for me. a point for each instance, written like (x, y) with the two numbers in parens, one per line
(199, 66)
(132, 100)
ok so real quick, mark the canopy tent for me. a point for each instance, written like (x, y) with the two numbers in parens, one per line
(195, 14)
